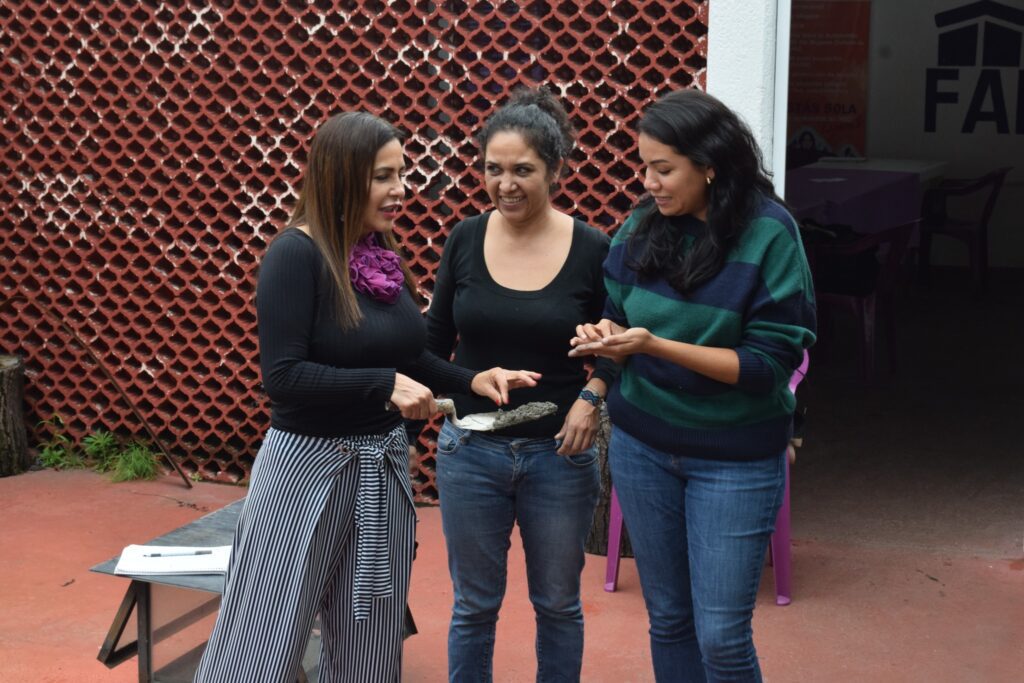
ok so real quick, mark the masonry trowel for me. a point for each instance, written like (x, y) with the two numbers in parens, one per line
(496, 419)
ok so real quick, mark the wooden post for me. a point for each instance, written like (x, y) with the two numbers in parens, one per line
(14, 456)
(597, 539)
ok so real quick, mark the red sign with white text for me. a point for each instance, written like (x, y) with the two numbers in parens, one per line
(828, 79)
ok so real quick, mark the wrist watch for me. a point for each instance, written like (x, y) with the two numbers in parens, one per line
(591, 397)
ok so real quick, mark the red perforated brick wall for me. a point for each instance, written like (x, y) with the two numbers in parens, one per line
(150, 150)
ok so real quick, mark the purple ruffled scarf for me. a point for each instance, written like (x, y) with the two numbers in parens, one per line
(376, 271)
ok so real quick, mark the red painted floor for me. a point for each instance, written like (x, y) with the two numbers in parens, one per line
(860, 613)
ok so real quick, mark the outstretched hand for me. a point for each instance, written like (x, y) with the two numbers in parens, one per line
(496, 383)
(609, 340)
(594, 332)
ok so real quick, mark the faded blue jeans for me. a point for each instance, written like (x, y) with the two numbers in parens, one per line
(700, 531)
(486, 485)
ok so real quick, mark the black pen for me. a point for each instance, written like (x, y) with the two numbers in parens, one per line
(182, 554)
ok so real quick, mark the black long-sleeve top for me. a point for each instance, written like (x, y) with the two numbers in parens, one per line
(518, 330)
(323, 380)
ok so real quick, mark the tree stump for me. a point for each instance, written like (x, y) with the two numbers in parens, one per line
(597, 539)
(14, 456)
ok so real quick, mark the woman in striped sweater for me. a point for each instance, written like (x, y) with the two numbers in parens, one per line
(710, 306)
(328, 522)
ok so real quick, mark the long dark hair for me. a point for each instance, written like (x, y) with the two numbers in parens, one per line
(334, 195)
(710, 135)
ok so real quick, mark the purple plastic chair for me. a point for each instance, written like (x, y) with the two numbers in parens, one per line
(780, 542)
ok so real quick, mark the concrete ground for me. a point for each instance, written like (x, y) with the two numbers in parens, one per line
(908, 505)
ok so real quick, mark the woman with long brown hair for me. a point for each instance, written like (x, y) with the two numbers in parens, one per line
(328, 524)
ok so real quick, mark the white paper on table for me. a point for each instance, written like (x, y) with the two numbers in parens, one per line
(141, 560)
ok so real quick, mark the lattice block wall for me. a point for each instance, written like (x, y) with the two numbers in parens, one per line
(151, 150)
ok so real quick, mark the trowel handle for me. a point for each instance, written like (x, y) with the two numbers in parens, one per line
(446, 406)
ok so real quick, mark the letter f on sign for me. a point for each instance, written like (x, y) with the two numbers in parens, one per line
(932, 96)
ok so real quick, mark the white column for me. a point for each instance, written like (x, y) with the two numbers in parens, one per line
(748, 69)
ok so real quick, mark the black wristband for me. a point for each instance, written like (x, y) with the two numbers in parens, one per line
(591, 397)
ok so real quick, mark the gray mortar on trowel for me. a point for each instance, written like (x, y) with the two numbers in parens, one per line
(524, 413)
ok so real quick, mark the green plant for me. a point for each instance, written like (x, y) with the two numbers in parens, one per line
(102, 448)
(104, 451)
(134, 462)
(196, 476)
(58, 452)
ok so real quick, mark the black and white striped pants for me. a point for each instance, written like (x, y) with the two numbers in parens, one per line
(328, 526)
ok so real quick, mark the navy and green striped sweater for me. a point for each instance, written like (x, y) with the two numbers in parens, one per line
(761, 304)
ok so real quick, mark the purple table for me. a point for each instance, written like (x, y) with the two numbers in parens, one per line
(865, 199)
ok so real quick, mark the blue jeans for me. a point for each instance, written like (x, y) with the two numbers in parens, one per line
(700, 531)
(487, 484)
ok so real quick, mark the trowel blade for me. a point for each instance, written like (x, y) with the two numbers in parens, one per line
(499, 419)
(477, 422)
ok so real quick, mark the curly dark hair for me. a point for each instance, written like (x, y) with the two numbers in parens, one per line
(540, 118)
(709, 134)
